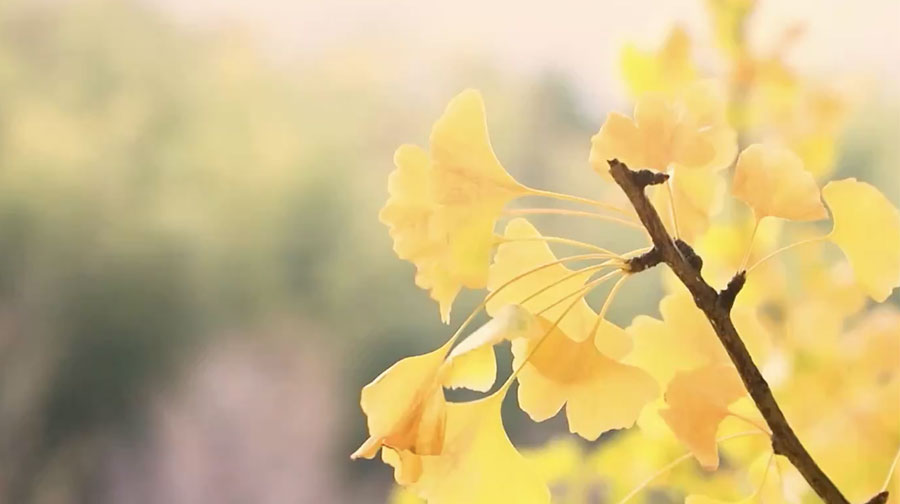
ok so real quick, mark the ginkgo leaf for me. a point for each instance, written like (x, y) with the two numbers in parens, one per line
(771, 180)
(472, 364)
(698, 401)
(466, 168)
(522, 252)
(689, 131)
(600, 393)
(683, 340)
(697, 196)
(479, 464)
(444, 203)
(405, 406)
(763, 476)
(667, 70)
(867, 229)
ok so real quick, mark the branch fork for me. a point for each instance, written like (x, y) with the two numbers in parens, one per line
(686, 265)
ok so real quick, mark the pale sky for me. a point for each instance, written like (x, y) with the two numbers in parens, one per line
(580, 38)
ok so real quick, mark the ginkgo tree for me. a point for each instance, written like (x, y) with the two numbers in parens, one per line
(695, 377)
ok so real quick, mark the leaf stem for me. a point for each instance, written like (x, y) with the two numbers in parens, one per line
(575, 213)
(578, 199)
(586, 269)
(606, 304)
(672, 208)
(887, 479)
(584, 291)
(752, 422)
(509, 282)
(786, 248)
(560, 240)
(673, 464)
(750, 245)
(540, 342)
(718, 313)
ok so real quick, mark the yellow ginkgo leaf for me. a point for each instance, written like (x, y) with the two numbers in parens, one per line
(479, 464)
(600, 393)
(697, 196)
(523, 251)
(867, 229)
(405, 406)
(472, 364)
(667, 70)
(698, 401)
(683, 340)
(771, 180)
(444, 203)
(688, 131)
(763, 475)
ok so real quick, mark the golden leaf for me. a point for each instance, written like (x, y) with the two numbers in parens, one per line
(600, 393)
(771, 180)
(698, 401)
(867, 229)
(479, 463)
(444, 204)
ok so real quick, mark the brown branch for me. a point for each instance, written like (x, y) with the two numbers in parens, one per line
(717, 307)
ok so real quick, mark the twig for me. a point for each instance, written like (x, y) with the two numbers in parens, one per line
(717, 307)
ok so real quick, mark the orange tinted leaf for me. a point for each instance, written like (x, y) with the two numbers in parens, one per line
(772, 181)
(698, 401)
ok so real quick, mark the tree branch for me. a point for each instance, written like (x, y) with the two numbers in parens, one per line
(717, 307)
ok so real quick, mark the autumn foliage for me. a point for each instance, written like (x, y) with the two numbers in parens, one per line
(745, 154)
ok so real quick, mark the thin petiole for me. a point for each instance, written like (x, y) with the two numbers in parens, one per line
(750, 245)
(579, 199)
(672, 208)
(765, 476)
(586, 269)
(786, 248)
(576, 213)
(671, 465)
(509, 282)
(563, 241)
(606, 304)
(752, 422)
(583, 291)
(887, 479)
(541, 342)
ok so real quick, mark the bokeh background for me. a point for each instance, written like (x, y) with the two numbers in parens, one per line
(194, 284)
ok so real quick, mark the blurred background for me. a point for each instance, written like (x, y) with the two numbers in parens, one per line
(194, 284)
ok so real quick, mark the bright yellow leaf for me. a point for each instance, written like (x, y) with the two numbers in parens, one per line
(472, 364)
(479, 464)
(867, 229)
(667, 70)
(771, 180)
(697, 196)
(444, 203)
(600, 393)
(405, 406)
(689, 131)
(523, 252)
(698, 401)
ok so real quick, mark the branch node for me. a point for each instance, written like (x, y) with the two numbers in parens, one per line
(689, 255)
(644, 261)
(641, 178)
(730, 292)
(686, 264)
(881, 498)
